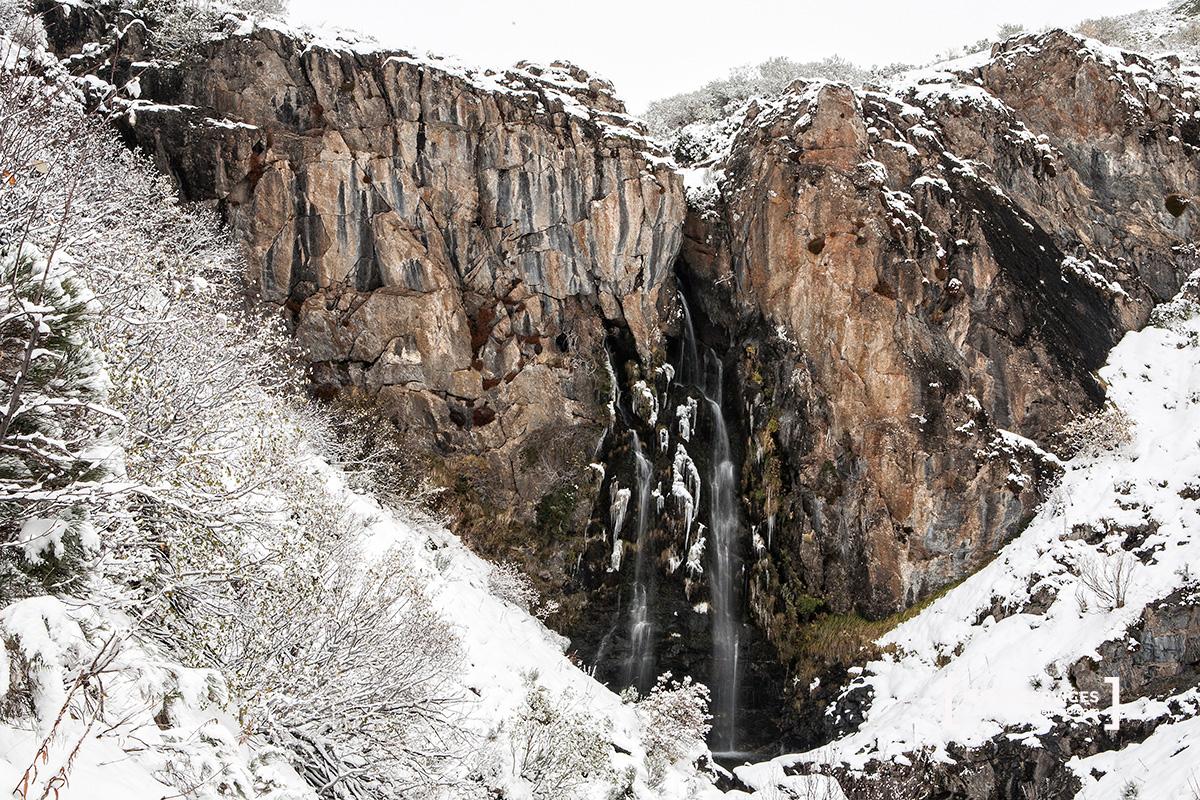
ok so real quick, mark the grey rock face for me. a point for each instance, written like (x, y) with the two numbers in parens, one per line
(1159, 657)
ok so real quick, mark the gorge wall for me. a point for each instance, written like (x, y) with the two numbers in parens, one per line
(817, 385)
(451, 246)
(924, 274)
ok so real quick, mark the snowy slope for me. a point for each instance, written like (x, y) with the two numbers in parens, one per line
(131, 749)
(956, 673)
(504, 644)
(1170, 29)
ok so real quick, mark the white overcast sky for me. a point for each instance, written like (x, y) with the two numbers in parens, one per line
(651, 49)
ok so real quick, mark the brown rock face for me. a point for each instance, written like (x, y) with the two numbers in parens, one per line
(448, 244)
(926, 270)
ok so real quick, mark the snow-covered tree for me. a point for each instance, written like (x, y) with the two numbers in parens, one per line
(51, 419)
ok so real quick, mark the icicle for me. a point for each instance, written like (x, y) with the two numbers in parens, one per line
(616, 515)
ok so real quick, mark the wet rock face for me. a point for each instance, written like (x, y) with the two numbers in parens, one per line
(915, 273)
(447, 244)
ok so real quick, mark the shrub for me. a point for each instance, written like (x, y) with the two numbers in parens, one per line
(353, 672)
(1107, 578)
(1110, 30)
(1188, 35)
(676, 719)
(1009, 30)
(509, 583)
(555, 510)
(1089, 435)
(178, 27)
(376, 459)
(262, 8)
(557, 748)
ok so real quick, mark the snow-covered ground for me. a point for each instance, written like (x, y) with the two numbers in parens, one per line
(164, 728)
(957, 674)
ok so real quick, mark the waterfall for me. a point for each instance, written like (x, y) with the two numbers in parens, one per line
(725, 560)
(723, 581)
(689, 356)
(639, 668)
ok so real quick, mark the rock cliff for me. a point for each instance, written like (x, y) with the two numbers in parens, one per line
(923, 281)
(879, 305)
(447, 244)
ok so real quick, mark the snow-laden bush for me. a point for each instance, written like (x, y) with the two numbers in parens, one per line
(557, 748)
(85, 676)
(719, 98)
(369, 677)
(676, 722)
(1156, 31)
(1183, 37)
(1110, 30)
(1009, 30)
(180, 27)
(1092, 434)
(369, 449)
(508, 582)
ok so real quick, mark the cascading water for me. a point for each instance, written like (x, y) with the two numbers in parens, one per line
(630, 651)
(639, 667)
(725, 560)
(726, 610)
(670, 573)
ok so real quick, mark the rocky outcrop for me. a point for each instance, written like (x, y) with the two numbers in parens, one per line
(1159, 657)
(447, 244)
(924, 281)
